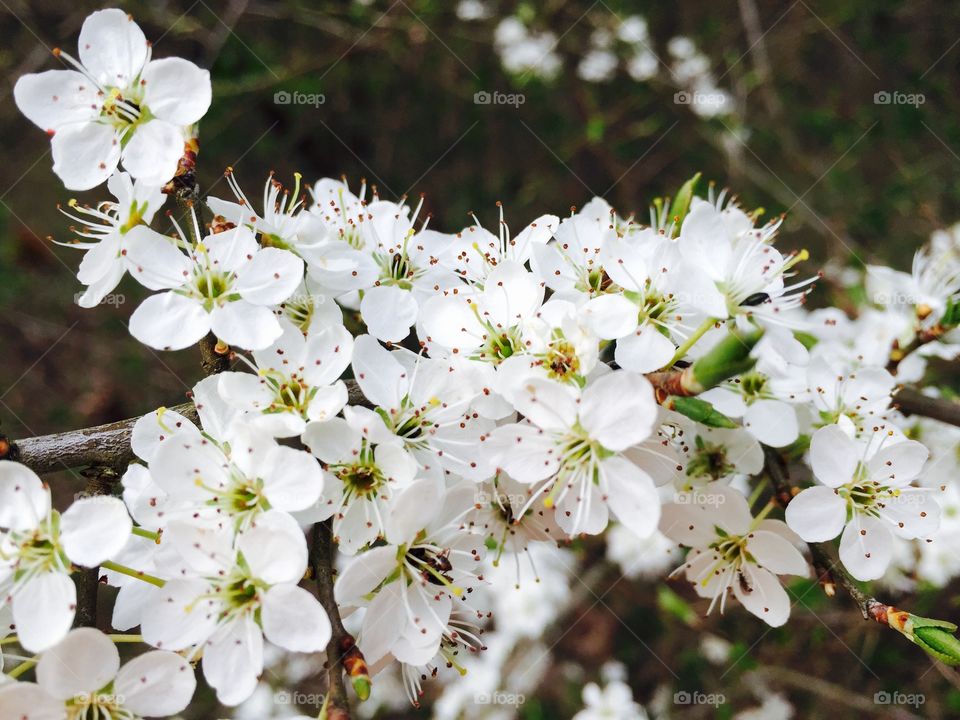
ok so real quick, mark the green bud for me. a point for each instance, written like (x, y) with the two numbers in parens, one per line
(361, 686)
(699, 410)
(939, 643)
(681, 203)
(729, 357)
(934, 636)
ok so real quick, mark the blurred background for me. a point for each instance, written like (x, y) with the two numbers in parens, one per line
(844, 115)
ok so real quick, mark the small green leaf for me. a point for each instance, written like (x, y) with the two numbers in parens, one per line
(938, 642)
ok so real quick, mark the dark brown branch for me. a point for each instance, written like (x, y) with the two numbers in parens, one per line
(830, 571)
(341, 642)
(913, 402)
(104, 445)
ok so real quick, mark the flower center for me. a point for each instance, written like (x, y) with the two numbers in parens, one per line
(709, 460)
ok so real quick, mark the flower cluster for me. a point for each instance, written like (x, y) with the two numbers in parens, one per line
(439, 400)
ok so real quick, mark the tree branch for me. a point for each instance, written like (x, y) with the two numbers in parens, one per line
(341, 645)
(910, 401)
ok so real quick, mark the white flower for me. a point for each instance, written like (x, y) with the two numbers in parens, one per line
(475, 251)
(571, 447)
(718, 454)
(232, 479)
(865, 493)
(227, 284)
(118, 105)
(362, 480)
(427, 567)
(732, 268)
(39, 547)
(238, 596)
(110, 228)
(81, 677)
(614, 700)
(297, 380)
(422, 405)
(731, 550)
(858, 399)
(484, 325)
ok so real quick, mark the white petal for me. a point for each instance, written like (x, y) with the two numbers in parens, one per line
(363, 573)
(275, 548)
(156, 684)
(525, 452)
(112, 47)
(56, 98)
(270, 277)
(247, 326)
(412, 510)
(293, 619)
(833, 456)
(913, 513)
(776, 553)
(93, 529)
(817, 514)
(176, 90)
(169, 321)
(233, 660)
(761, 593)
(382, 379)
(24, 502)
(153, 152)
(547, 404)
(154, 261)
(328, 353)
(632, 496)
(772, 422)
(388, 312)
(293, 481)
(26, 701)
(618, 409)
(332, 441)
(85, 154)
(897, 464)
(866, 547)
(644, 350)
(43, 610)
(176, 618)
(83, 662)
(611, 316)
(510, 294)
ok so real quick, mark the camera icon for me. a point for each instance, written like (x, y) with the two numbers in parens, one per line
(682, 98)
(682, 698)
(881, 698)
(482, 97)
(282, 97)
(481, 698)
(282, 697)
(882, 98)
